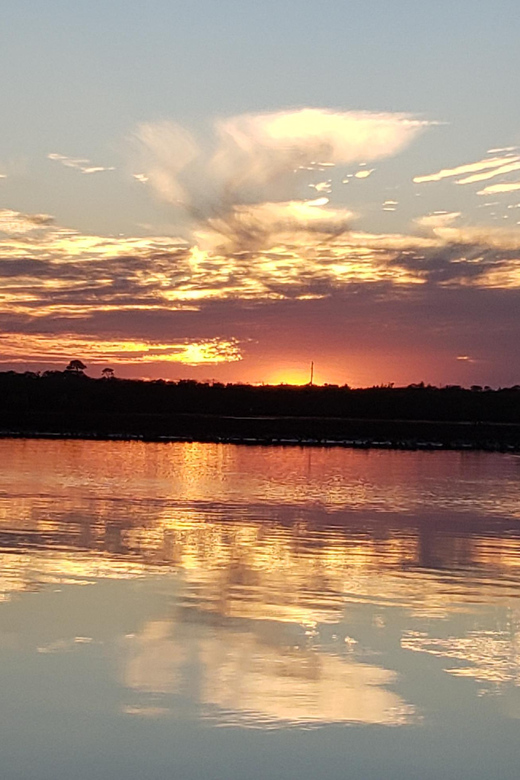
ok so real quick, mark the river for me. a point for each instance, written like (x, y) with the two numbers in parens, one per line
(241, 613)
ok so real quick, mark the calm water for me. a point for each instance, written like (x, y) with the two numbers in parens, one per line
(218, 612)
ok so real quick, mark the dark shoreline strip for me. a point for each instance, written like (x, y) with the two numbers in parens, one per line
(268, 431)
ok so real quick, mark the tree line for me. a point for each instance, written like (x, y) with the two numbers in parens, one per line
(73, 391)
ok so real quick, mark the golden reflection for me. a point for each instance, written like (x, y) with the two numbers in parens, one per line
(271, 551)
(288, 533)
(266, 571)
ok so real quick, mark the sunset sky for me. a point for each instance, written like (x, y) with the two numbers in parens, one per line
(231, 190)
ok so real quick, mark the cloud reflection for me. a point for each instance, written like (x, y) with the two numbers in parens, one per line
(288, 574)
(488, 656)
(245, 679)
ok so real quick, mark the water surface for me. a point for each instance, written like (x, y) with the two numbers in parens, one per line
(214, 611)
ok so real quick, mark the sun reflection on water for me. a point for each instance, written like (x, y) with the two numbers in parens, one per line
(292, 576)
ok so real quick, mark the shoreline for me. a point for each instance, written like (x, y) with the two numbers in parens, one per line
(408, 435)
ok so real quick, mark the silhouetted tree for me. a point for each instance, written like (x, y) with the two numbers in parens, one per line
(76, 367)
(107, 373)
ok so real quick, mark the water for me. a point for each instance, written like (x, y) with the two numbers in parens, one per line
(220, 612)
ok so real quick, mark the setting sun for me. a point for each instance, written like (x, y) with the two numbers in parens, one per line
(289, 376)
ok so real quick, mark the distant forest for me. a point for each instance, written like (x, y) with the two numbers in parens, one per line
(72, 391)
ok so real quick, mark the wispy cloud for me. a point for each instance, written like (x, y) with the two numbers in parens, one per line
(499, 149)
(438, 220)
(256, 159)
(503, 169)
(468, 168)
(13, 222)
(495, 189)
(79, 163)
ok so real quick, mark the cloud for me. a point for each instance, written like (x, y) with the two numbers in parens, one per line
(256, 159)
(163, 151)
(439, 219)
(158, 301)
(259, 148)
(322, 186)
(499, 188)
(16, 223)
(47, 270)
(465, 256)
(79, 163)
(258, 226)
(509, 168)
(498, 149)
(20, 347)
(467, 168)
(364, 174)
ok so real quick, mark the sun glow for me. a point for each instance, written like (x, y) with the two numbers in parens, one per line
(289, 376)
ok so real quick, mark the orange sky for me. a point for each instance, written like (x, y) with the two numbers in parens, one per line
(269, 269)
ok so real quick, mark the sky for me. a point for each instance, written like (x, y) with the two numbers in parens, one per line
(231, 190)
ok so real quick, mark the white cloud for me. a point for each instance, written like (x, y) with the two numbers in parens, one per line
(480, 165)
(439, 219)
(364, 174)
(79, 163)
(260, 158)
(322, 186)
(509, 168)
(502, 149)
(261, 148)
(499, 188)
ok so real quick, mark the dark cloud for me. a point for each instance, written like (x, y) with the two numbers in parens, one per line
(457, 262)
(401, 308)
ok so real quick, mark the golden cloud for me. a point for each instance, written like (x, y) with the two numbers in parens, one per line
(49, 273)
(16, 347)
(495, 189)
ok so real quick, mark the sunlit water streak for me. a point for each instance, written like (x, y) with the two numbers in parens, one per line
(264, 591)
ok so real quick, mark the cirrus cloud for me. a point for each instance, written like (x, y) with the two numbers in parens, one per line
(79, 163)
